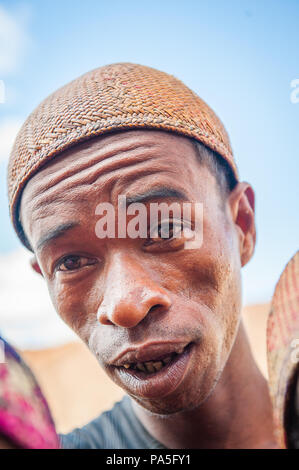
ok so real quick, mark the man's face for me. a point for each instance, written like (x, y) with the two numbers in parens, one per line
(150, 302)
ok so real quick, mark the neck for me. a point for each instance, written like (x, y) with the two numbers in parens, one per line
(238, 414)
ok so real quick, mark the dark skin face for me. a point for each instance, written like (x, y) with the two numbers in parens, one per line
(122, 293)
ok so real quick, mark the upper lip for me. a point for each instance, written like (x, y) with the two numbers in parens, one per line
(148, 352)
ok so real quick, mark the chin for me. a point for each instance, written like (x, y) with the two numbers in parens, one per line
(190, 397)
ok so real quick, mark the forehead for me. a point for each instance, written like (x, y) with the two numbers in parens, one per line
(103, 168)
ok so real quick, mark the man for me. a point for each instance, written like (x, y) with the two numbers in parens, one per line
(163, 318)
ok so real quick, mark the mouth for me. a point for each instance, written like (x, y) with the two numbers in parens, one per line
(153, 366)
(154, 376)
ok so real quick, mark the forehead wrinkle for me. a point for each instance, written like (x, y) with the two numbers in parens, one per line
(68, 165)
(44, 207)
(127, 178)
(117, 172)
(88, 172)
(133, 187)
(73, 191)
(129, 183)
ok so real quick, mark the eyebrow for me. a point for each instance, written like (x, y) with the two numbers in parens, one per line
(157, 193)
(55, 233)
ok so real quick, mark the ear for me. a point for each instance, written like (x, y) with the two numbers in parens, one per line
(241, 202)
(35, 265)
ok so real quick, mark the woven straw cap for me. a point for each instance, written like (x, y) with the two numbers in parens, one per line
(112, 98)
(282, 340)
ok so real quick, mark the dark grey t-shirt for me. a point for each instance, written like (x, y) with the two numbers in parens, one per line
(118, 428)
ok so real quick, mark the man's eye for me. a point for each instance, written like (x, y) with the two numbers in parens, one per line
(167, 230)
(74, 262)
(170, 231)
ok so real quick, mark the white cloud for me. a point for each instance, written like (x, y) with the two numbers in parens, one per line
(8, 131)
(14, 39)
(27, 317)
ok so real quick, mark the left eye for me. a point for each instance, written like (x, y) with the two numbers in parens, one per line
(74, 262)
(167, 230)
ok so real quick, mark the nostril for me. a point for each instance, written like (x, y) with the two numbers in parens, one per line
(103, 318)
(156, 307)
(105, 321)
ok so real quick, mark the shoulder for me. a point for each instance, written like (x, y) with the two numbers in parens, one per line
(117, 428)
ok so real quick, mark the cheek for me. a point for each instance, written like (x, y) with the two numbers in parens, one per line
(211, 277)
(75, 302)
(207, 275)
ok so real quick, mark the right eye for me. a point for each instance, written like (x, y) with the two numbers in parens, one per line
(169, 234)
(167, 229)
(74, 263)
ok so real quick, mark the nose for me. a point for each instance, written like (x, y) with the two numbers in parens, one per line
(130, 294)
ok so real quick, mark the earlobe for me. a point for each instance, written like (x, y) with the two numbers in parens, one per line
(35, 265)
(242, 208)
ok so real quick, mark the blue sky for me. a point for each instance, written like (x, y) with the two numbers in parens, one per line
(240, 56)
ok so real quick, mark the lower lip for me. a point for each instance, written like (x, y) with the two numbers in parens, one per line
(159, 384)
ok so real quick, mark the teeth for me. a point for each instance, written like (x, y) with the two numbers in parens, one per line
(150, 366)
(167, 359)
(158, 365)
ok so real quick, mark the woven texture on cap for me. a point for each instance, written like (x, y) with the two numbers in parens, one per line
(282, 338)
(111, 98)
